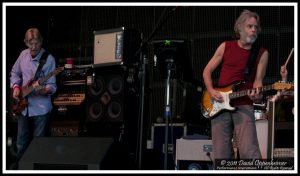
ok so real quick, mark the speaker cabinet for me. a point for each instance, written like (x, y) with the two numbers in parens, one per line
(65, 153)
(281, 128)
(106, 95)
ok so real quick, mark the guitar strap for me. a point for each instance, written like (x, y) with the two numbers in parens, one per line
(42, 63)
(252, 57)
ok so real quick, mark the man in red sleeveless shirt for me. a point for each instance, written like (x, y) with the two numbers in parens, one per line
(233, 57)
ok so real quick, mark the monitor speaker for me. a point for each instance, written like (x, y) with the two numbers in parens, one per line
(65, 153)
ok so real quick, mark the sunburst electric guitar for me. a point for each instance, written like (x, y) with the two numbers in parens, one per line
(211, 107)
(20, 104)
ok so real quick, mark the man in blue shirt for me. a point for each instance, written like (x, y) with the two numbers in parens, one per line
(34, 119)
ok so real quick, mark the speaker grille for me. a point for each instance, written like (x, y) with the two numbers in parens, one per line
(97, 88)
(114, 111)
(106, 96)
(95, 111)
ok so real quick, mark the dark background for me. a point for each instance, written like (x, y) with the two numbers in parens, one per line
(68, 32)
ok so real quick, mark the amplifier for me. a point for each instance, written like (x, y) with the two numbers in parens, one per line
(194, 149)
(75, 76)
(116, 46)
(108, 46)
(281, 130)
(197, 151)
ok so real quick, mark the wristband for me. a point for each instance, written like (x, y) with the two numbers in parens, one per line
(16, 87)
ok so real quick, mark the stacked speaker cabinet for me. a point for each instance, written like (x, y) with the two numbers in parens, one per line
(105, 102)
(114, 50)
(112, 107)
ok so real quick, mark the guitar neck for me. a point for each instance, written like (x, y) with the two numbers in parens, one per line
(26, 90)
(244, 92)
(45, 78)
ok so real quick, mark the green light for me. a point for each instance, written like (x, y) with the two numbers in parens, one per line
(167, 42)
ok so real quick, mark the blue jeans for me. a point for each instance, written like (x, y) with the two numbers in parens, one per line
(29, 127)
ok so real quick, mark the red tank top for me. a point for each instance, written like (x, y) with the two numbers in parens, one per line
(233, 67)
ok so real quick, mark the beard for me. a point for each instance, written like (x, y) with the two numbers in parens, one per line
(251, 39)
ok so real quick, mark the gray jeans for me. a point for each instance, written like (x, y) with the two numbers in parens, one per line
(242, 122)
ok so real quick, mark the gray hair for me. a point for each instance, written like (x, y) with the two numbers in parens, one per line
(242, 18)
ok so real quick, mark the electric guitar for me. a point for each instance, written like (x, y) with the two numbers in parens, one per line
(211, 107)
(21, 103)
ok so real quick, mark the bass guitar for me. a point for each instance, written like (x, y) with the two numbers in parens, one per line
(211, 107)
(21, 103)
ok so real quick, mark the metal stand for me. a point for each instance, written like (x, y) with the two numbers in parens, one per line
(141, 112)
(158, 25)
(167, 111)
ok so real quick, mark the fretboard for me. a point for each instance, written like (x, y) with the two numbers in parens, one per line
(244, 92)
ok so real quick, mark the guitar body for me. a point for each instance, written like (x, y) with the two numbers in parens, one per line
(210, 107)
(21, 103)
(19, 106)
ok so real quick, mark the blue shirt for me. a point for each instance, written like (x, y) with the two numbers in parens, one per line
(23, 71)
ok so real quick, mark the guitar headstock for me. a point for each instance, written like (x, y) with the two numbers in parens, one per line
(283, 86)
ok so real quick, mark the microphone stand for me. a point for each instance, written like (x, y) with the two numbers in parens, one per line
(142, 82)
(168, 114)
(141, 109)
